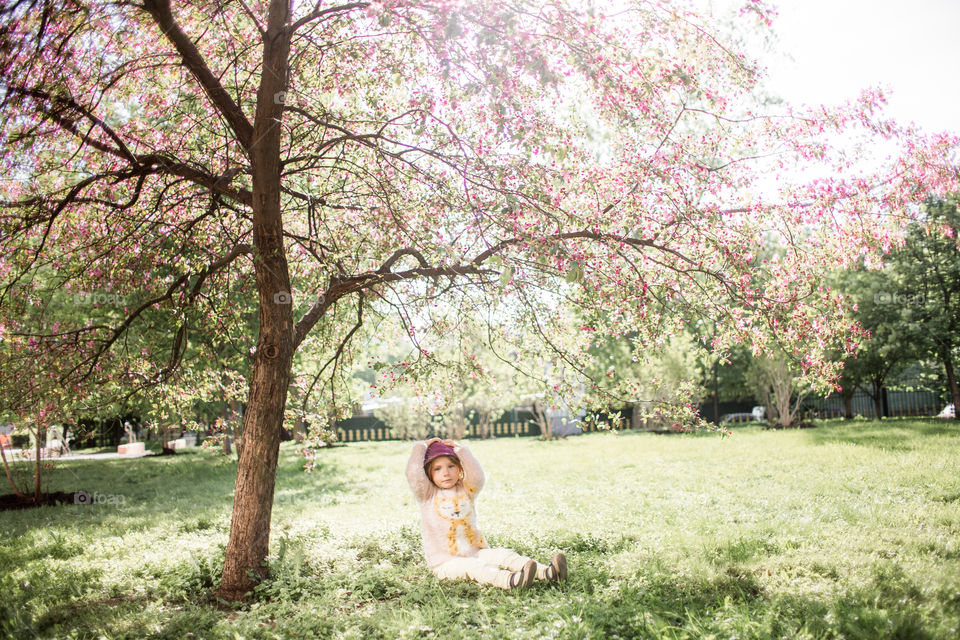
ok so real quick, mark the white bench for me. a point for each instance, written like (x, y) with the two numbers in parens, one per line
(131, 449)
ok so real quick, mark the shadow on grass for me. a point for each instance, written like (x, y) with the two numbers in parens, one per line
(121, 618)
(324, 485)
(893, 434)
(140, 493)
(678, 434)
(47, 597)
(386, 589)
(734, 603)
(35, 598)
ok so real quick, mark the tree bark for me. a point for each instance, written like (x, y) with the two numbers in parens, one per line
(6, 467)
(38, 463)
(876, 388)
(947, 360)
(540, 414)
(716, 392)
(249, 540)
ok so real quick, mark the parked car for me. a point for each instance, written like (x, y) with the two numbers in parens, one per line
(756, 415)
(949, 411)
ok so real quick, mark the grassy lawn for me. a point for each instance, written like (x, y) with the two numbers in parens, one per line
(844, 531)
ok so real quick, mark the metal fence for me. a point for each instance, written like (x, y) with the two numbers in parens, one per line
(362, 429)
(914, 403)
(376, 432)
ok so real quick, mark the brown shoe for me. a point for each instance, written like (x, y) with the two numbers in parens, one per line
(557, 571)
(524, 577)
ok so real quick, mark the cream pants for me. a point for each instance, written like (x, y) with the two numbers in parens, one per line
(490, 566)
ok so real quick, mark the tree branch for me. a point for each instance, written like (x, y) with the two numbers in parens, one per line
(67, 124)
(160, 11)
(399, 254)
(167, 295)
(319, 13)
(339, 351)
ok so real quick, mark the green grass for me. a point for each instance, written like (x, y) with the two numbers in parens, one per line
(844, 531)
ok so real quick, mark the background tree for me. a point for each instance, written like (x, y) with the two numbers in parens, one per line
(779, 385)
(726, 377)
(890, 345)
(481, 371)
(929, 268)
(647, 381)
(384, 154)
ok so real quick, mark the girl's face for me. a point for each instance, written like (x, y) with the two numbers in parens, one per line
(444, 472)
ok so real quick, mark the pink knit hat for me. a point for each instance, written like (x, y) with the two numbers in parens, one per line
(436, 450)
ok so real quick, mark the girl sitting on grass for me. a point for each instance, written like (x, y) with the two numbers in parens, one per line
(445, 479)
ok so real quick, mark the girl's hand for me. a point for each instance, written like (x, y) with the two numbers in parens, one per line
(431, 441)
(449, 443)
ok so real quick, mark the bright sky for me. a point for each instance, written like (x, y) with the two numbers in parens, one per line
(841, 46)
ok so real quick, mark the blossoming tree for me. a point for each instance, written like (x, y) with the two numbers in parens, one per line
(322, 161)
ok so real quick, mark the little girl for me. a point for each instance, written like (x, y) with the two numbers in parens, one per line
(445, 479)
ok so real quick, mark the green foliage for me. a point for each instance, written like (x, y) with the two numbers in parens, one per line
(911, 308)
(893, 329)
(654, 381)
(776, 382)
(479, 374)
(929, 268)
(732, 375)
(405, 418)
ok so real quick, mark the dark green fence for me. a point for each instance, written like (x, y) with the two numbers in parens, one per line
(519, 424)
(895, 404)
(367, 429)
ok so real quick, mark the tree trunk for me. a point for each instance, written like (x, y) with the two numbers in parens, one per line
(6, 467)
(716, 392)
(782, 382)
(947, 360)
(540, 414)
(227, 431)
(38, 463)
(249, 540)
(300, 429)
(877, 400)
(848, 406)
(457, 425)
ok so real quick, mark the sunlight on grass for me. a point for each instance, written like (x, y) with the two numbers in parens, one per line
(847, 530)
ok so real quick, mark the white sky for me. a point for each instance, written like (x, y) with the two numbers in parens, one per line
(839, 47)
